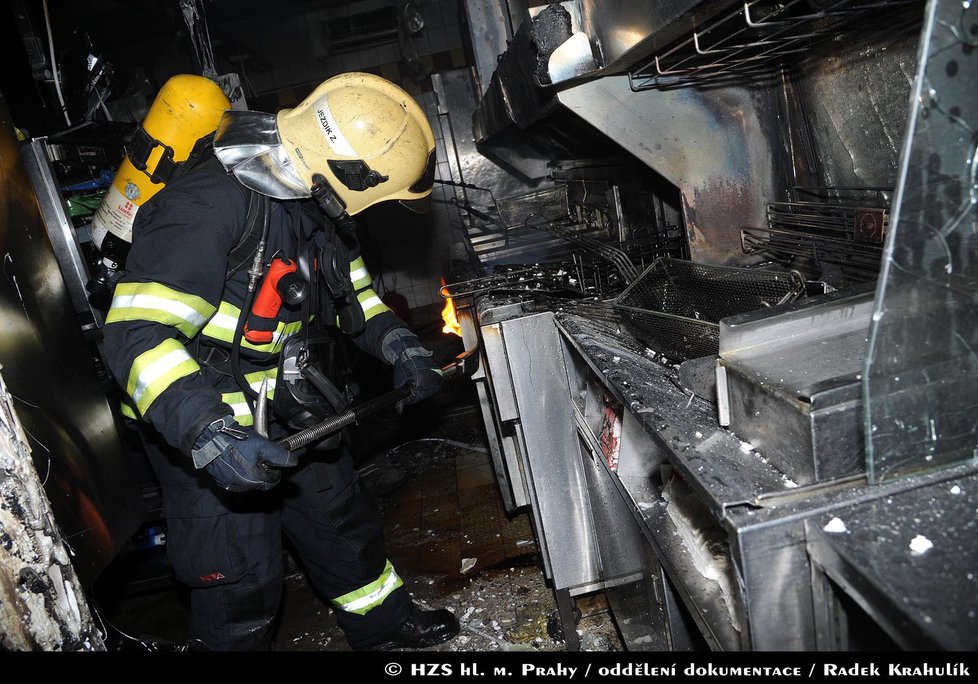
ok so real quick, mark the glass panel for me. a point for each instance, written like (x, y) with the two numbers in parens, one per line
(921, 378)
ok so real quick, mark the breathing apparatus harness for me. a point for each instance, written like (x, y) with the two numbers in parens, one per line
(296, 283)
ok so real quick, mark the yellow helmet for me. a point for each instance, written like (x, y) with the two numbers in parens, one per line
(367, 137)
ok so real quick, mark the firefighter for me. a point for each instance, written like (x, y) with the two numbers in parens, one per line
(190, 346)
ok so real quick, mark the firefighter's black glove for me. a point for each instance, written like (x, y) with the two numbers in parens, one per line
(238, 458)
(412, 365)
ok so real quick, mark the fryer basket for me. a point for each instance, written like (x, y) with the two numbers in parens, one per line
(675, 306)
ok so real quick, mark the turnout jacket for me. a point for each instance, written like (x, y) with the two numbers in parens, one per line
(178, 298)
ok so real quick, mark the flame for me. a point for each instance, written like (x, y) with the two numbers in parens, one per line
(448, 314)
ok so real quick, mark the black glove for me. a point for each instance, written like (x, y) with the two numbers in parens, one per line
(412, 365)
(238, 458)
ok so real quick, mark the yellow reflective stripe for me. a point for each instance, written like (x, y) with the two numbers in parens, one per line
(239, 406)
(359, 274)
(254, 380)
(155, 370)
(160, 304)
(126, 410)
(361, 600)
(371, 303)
(223, 323)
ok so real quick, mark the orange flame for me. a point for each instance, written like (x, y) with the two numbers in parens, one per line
(448, 315)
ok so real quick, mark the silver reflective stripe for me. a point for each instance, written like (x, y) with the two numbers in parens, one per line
(359, 275)
(240, 408)
(370, 303)
(158, 303)
(236, 400)
(145, 301)
(155, 370)
(223, 321)
(222, 325)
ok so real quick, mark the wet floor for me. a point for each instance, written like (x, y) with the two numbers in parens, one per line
(446, 532)
(448, 535)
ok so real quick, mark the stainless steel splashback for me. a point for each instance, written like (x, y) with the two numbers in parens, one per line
(733, 134)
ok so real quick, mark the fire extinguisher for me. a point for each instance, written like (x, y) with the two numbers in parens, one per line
(187, 108)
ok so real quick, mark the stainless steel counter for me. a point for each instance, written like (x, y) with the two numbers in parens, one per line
(722, 468)
(909, 561)
(775, 531)
(697, 539)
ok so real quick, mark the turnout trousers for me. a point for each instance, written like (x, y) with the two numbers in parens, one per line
(228, 548)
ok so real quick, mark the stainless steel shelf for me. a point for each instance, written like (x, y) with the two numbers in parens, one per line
(703, 597)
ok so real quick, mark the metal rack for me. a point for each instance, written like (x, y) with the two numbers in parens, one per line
(747, 40)
(546, 279)
(528, 239)
(577, 223)
(843, 226)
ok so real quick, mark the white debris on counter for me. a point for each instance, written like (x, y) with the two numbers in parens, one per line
(921, 544)
(955, 489)
(835, 526)
(468, 564)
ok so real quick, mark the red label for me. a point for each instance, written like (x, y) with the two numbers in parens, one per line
(610, 437)
(213, 577)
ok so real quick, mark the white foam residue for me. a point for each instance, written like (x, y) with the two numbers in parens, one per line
(709, 557)
(836, 526)
(921, 544)
(955, 489)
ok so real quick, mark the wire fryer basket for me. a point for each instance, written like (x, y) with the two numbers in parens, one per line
(675, 306)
